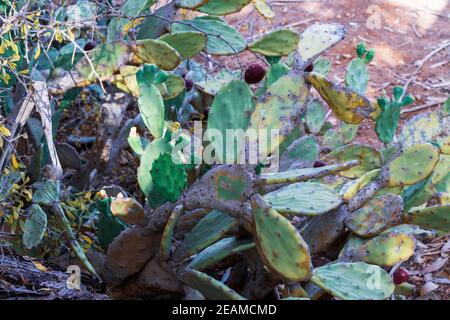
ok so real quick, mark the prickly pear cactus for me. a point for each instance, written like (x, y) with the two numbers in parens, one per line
(357, 76)
(279, 244)
(387, 249)
(387, 121)
(169, 178)
(375, 216)
(307, 198)
(354, 281)
(34, 227)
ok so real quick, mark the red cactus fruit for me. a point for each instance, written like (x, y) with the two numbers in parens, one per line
(254, 73)
(400, 275)
(188, 84)
(90, 45)
(319, 163)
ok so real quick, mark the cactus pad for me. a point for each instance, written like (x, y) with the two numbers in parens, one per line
(208, 286)
(375, 216)
(318, 38)
(435, 217)
(315, 115)
(169, 178)
(302, 153)
(187, 43)
(128, 210)
(354, 281)
(277, 43)
(108, 226)
(231, 109)
(229, 42)
(307, 198)
(220, 250)
(222, 7)
(299, 175)
(369, 159)
(357, 76)
(276, 110)
(412, 164)
(340, 136)
(166, 239)
(210, 229)
(351, 188)
(387, 249)
(263, 8)
(156, 52)
(348, 105)
(279, 245)
(421, 128)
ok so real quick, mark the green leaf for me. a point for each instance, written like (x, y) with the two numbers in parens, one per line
(47, 193)
(322, 66)
(34, 227)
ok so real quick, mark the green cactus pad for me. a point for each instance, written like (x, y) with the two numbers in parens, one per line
(231, 109)
(354, 281)
(34, 227)
(348, 105)
(357, 76)
(108, 226)
(106, 59)
(222, 7)
(136, 143)
(339, 136)
(279, 245)
(375, 216)
(277, 109)
(435, 217)
(210, 229)
(229, 41)
(387, 249)
(152, 152)
(263, 8)
(151, 105)
(369, 159)
(351, 246)
(188, 43)
(219, 251)
(277, 43)
(421, 128)
(169, 178)
(444, 144)
(299, 175)
(191, 4)
(318, 38)
(412, 164)
(300, 154)
(315, 115)
(322, 66)
(157, 52)
(166, 239)
(307, 198)
(275, 72)
(351, 188)
(413, 230)
(209, 287)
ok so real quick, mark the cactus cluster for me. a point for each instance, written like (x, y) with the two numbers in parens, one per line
(260, 231)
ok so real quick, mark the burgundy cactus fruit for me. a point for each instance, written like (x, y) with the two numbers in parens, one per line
(319, 163)
(188, 84)
(401, 275)
(90, 45)
(254, 73)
